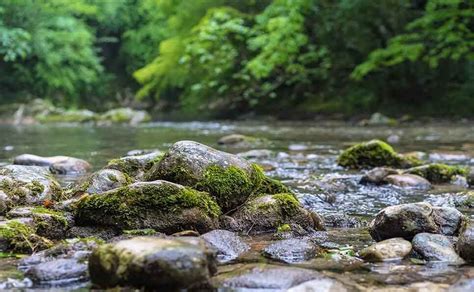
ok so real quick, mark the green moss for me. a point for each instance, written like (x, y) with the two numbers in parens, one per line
(129, 168)
(438, 172)
(284, 228)
(56, 215)
(373, 154)
(140, 232)
(36, 188)
(22, 237)
(80, 116)
(288, 203)
(272, 186)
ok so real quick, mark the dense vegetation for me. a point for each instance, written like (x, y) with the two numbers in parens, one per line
(229, 57)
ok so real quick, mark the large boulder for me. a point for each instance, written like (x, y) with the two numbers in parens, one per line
(153, 263)
(135, 166)
(161, 205)
(29, 185)
(407, 220)
(437, 172)
(230, 179)
(435, 247)
(56, 164)
(465, 244)
(268, 213)
(374, 153)
(389, 249)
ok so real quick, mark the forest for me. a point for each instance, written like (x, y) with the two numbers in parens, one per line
(231, 58)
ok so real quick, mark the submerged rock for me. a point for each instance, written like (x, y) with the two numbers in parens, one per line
(374, 153)
(267, 213)
(57, 272)
(465, 244)
(102, 181)
(153, 263)
(135, 166)
(56, 164)
(29, 185)
(291, 250)
(435, 247)
(407, 220)
(228, 178)
(437, 172)
(389, 249)
(408, 181)
(160, 205)
(228, 245)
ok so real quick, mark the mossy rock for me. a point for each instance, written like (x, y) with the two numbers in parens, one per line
(137, 165)
(70, 116)
(102, 181)
(230, 179)
(374, 153)
(268, 213)
(125, 116)
(19, 235)
(160, 205)
(438, 172)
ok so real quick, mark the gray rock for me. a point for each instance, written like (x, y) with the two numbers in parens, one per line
(319, 285)
(135, 165)
(103, 180)
(101, 232)
(465, 244)
(236, 139)
(292, 250)
(377, 175)
(343, 221)
(124, 116)
(389, 249)
(408, 181)
(57, 164)
(407, 220)
(228, 245)
(256, 153)
(153, 263)
(59, 271)
(435, 247)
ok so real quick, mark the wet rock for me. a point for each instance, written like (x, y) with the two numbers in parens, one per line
(378, 119)
(393, 139)
(59, 271)
(377, 175)
(459, 180)
(389, 249)
(256, 153)
(135, 166)
(446, 156)
(227, 177)
(19, 235)
(101, 232)
(237, 140)
(48, 223)
(319, 285)
(29, 185)
(56, 164)
(470, 176)
(160, 205)
(291, 250)
(462, 285)
(408, 181)
(261, 276)
(437, 172)
(153, 263)
(102, 181)
(374, 153)
(267, 213)
(465, 244)
(139, 152)
(16, 284)
(343, 221)
(227, 244)
(435, 247)
(124, 116)
(407, 220)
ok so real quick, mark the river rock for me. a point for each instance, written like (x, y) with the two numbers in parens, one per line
(377, 175)
(291, 250)
(135, 166)
(407, 220)
(319, 285)
(60, 271)
(227, 177)
(102, 232)
(237, 140)
(19, 235)
(153, 263)
(262, 276)
(227, 244)
(124, 116)
(408, 181)
(389, 249)
(29, 185)
(267, 213)
(343, 221)
(102, 181)
(61, 115)
(437, 172)
(465, 244)
(435, 247)
(373, 153)
(256, 153)
(160, 205)
(56, 164)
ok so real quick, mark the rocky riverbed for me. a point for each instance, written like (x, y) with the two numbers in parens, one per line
(270, 210)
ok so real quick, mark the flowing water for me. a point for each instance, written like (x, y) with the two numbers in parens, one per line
(303, 157)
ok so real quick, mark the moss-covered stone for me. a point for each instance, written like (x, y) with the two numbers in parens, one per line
(18, 236)
(125, 116)
(70, 116)
(438, 172)
(135, 166)
(160, 205)
(102, 181)
(140, 232)
(374, 153)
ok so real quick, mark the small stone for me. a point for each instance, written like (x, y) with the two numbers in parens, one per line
(377, 175)
(408, 181)
(292, 250)
(389, 249)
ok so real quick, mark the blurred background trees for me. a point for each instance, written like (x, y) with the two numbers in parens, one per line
(223, 58)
